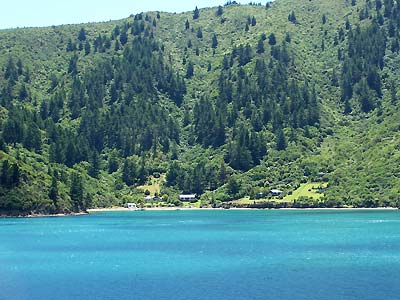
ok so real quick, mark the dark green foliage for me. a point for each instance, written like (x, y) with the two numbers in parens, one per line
(32, 139)
(76, 192)
(134, 171)
(71, 46)
(127, 173)
(362, 64)
(190, 70)
(280, 140)
(378, 4)
(94, 165)
(260, 46)
(220, 11)
(292, 17)
(113, 164)
(82, 34)
(324, 19)
(393, 93)
(209, 128)
(53, 191)
(288, 39)
(214, 43)
(233, 186)
(87, 48)
(10, 175)
(196, 13)
(11, 73)
(199, 33)
(123, 38)
(73, 65)
(272, 39)
(173, 174)
(187, 24)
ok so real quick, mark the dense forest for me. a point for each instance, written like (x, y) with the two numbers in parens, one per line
(227, 103)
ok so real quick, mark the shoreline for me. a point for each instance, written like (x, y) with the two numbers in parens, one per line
(45, 215)
(121, 209)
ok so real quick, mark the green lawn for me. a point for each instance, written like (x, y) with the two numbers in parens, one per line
(306, 190)
(154, 185)
(247, 200)
(190, 204)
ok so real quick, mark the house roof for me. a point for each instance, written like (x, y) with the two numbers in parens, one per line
(276, 191)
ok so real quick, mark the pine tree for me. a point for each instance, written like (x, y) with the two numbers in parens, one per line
(199, 33)
(71, 46)
(82, 35)
(253, 21)
(5, 174)
(11, 72)
(53, 192)
(94, 165)
(76, 192)
(112, 163)
(324, 19)
(260, 46)
(220, 11)
(190, 70)
(196, 13)
(128, 173)
(272, 39)
(288, 39)
(142, 170)
(280, 140)
(222, 173)
(292, 17)
(73, 65)
(15, 175)
(123, 38)
(187, 24)
(20, 67)
(393, 92)
(233, 186)
(214, 44)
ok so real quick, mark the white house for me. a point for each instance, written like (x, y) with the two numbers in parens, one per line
(276, 192)
(189, 197)
(149, 198)
(132, 206)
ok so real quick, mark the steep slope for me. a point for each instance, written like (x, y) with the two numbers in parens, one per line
(228, 102)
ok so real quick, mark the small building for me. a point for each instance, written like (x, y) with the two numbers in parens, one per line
(276, 192)
(188, 197)
(132, 206)
(148, 198)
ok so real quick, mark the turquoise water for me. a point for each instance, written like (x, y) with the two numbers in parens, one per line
(202, 255)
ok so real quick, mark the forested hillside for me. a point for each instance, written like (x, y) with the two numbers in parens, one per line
(226, 102)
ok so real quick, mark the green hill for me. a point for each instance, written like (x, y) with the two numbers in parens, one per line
(227, 102)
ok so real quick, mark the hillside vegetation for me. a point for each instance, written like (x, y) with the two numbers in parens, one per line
(226, 102)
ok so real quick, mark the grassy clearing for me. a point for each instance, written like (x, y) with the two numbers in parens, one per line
(306, 190)
(247, 200)
(190, 204)
(153, 185)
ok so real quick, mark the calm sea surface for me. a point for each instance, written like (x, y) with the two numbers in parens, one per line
(202, 255)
